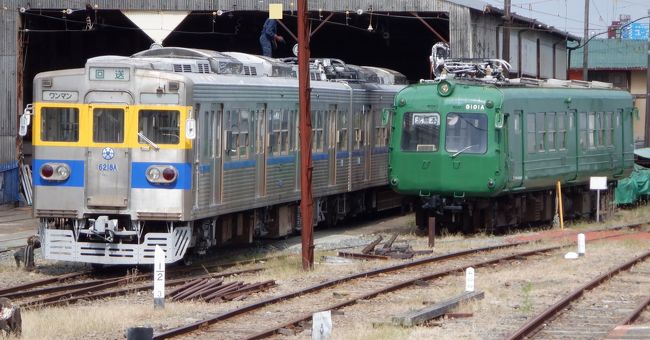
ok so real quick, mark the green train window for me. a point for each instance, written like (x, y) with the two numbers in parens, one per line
(421, 131)
(59, 124)
(560, 138)
(466, 133)
(531, 145)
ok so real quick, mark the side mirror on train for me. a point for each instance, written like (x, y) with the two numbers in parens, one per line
(190, 128)
(385, 116)
(498, 120)
(25, 120)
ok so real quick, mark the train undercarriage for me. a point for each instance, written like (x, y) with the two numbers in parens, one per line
(502, 213)
(117, 239)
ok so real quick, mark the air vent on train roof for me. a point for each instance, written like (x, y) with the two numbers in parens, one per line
(250, 71)
(182, 68)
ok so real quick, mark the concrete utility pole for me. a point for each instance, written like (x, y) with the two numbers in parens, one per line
(647, 92)
(507, 20)
(306, 202)
(585, 47)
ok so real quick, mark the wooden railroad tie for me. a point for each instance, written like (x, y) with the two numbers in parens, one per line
(421, 316)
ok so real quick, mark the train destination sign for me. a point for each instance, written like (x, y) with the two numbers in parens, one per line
(109, 73)
(426, 119)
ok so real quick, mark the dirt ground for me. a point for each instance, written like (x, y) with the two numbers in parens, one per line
(512, 293)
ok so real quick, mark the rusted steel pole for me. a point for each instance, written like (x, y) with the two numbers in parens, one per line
(306, 203)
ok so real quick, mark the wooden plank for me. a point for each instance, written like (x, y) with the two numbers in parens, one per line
(371, 246)
(389, 244)
(420, 316)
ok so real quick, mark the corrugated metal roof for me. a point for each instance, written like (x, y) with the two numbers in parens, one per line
(613, 54)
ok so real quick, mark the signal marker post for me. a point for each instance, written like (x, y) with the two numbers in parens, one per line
(598, 184)
(159, 278)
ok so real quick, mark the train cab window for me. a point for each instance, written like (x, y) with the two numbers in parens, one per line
(59, 124)
(108, 125)
(160, 126)
(421, 131)
(466, 133)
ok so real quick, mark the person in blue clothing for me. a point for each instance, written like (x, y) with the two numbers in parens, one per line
(269, 37)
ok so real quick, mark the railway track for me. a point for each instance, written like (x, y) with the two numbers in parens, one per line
(359, 286)
(593, 310)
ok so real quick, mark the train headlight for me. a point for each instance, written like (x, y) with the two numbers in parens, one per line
(55, 171)
(161, 174)
(490, 183)
(445, 88)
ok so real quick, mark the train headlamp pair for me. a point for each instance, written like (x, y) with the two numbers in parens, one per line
(55, 172)
(161, 174)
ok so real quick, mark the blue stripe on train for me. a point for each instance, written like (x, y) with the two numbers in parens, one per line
(232, 165)
(77, 173)
(139, 177)
(280, 160)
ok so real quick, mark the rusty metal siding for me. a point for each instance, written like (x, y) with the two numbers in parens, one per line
(484, 35)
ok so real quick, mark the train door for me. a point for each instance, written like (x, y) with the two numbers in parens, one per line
(367, 138)
(217, 115)
(206, 182)
(261, 145)
(573, 145)
(332, 114)
(515, 146)
(108, 158)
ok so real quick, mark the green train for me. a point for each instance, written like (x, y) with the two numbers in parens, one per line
(487, 155)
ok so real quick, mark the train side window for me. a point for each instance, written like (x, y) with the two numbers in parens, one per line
(358, 130)
(160, 126)
(609, 128)
(279, 132)
(550, 131)
(541, 132)
(381, 131)
(591, 130)
(237, 127)
(582, 125)
(560, 138)
(59, 124)
(317, 131)
(530, 133)
(217, 111)
(342, 140)
(244, 128)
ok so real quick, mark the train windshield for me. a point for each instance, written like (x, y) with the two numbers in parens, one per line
(466, 133)
(60, 124)
(108, 125)
(421, 131)
(160, 126)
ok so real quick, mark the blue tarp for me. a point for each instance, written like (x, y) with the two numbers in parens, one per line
(9, 182)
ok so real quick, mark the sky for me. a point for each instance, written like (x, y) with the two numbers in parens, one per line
(568, 15)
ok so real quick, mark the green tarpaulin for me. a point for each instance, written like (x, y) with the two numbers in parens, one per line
(630, 189)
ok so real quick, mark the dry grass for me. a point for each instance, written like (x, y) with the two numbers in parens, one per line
(108, 319)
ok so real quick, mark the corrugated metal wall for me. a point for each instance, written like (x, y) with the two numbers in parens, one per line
(8, 165)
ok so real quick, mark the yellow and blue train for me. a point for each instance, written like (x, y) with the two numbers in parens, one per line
(189, 149)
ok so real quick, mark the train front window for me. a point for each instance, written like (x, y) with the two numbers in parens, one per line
(466, 133)
(59, 124)
(160, 126)
(421, 131)
(108, 125)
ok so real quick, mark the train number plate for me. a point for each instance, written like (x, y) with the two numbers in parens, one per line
(426, 119)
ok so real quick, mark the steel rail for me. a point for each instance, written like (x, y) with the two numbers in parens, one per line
(272, 300)
(43, 282)
(398, 286)
(531, 326)
(71, 298)
(630, 318)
